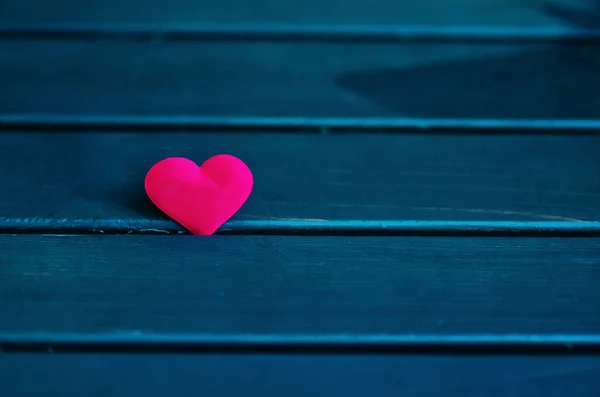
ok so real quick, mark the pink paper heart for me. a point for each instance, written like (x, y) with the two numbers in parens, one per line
(201, 198)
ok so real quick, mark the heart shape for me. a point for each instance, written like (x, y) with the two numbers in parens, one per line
(201, 198)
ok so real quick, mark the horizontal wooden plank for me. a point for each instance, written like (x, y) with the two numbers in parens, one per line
(92, 181)
(298, 376)
(441, 12)
(225, 79)
(281, 292)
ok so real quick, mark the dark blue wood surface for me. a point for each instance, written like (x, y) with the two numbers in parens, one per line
(511, 13)
(298, 79)
(297, 376)
(283, 293)
(491, 111)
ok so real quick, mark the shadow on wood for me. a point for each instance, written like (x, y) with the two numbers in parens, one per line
(552, 82)
(580, 17)
(557, 82)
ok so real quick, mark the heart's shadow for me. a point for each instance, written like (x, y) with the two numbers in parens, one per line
(137, 201)
(537, 82)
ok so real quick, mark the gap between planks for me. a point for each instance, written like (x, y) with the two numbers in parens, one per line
(465, 345)
(320, 125)
(311, 33)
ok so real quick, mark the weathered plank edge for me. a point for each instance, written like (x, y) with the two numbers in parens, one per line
(305, 227)
(315, 344)
(310, 33)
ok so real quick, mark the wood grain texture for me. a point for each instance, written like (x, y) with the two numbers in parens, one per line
(298, 290)
(59, 178)
(106, 78)
(298, 376)
(523, 13)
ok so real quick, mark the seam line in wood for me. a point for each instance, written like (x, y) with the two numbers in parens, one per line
(303, 33)
(304, 227)
(297, 124)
